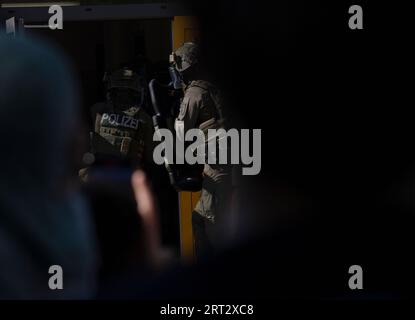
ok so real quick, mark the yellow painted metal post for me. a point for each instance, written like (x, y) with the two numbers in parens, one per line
(187, 201)
(185, 29)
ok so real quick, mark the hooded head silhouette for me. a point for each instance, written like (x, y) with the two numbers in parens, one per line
(43, 221)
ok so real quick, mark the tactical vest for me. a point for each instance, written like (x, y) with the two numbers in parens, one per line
(218, 121)
(122, 131)
(215, 120)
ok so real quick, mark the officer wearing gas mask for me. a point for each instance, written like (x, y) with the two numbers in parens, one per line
(122, 122)
(201, 108)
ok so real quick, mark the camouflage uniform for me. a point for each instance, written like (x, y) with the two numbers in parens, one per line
(200, 109)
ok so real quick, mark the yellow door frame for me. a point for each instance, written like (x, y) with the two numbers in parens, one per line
(185, 29)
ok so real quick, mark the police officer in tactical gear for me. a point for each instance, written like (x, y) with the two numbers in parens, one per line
(201, 108)
(123, 137)
(121, 121)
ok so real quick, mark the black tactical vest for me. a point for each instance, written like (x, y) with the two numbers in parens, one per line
(123, 130)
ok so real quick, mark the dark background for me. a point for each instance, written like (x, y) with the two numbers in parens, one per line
(96, 47)
(337, 137)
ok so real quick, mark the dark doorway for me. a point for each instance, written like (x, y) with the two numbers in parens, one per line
(95, 47)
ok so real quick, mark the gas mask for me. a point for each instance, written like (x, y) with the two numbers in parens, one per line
(175, 75)
(176, 78)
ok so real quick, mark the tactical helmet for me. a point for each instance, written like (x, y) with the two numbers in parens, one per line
(185, 57)
(125, 88)
(124, 78)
